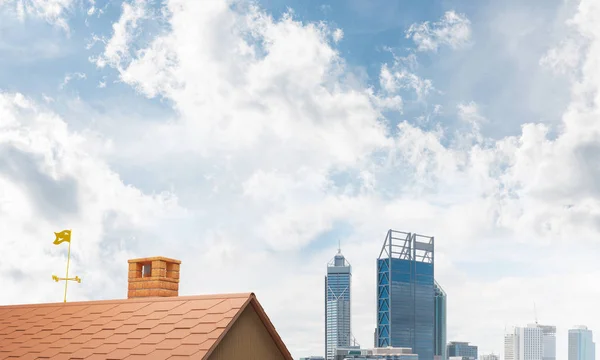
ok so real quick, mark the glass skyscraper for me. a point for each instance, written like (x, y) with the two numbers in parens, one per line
(581, 344)
(337, 305)
(439, 325)
(405, 293)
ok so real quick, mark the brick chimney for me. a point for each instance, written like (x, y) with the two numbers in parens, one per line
(153, 276)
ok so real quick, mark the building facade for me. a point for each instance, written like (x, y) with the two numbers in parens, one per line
(462, 349)
(405, 293)
(549, 340)
(337, 305)
(524, 343)
(489, 357)
(439, 325)
(581, 344)
(389, 353)
(511, 345)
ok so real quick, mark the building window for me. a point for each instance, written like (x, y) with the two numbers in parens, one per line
(146, 270)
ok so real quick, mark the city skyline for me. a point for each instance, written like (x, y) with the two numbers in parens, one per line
(245, 137)
(532, 342)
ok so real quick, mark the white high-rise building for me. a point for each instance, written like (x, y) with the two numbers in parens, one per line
(524, 343)
(581, 344)
(531, 343)
(338, 283)
(511, 345)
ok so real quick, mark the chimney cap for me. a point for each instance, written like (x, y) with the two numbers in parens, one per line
(154, 258)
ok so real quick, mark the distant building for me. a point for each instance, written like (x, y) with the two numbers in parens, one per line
(524, 343)
(549, 340)
(489, 357)
(581, 344)
(337, 305)
(313, 358)
(439, 325)
(462, 349)
(405, 293)
(511, 345)
(388, 353)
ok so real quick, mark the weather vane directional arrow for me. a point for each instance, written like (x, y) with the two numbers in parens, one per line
(61, 237)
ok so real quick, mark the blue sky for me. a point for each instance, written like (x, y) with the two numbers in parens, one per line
(244, 137)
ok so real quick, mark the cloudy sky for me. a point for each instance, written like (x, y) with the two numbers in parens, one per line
(248, 138)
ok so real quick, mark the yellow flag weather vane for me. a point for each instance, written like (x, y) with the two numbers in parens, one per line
(61, 237)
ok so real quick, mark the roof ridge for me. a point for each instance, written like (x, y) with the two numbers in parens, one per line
(134, 300)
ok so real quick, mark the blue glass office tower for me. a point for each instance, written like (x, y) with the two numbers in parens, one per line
(405, 293)
(581, 344)
(439, 325)
(337, 305)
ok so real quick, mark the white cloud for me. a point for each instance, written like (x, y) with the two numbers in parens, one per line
(116, 49)
(271, 145)
(71, 76)
(338, 34)
(453, 30)
(52, 11)
(48, 173)
(399, 77)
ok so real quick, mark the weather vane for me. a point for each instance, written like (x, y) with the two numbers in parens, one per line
(61, 237)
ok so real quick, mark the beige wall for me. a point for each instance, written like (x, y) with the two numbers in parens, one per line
(247, 339)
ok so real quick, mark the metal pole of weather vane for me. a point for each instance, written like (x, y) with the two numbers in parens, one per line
(61, 237)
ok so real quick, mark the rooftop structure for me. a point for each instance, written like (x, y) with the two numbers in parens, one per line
(154, 323)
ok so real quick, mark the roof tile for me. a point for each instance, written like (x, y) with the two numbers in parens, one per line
(152, 339)
(139, 334)
(129, 343)
(185, 350)
(162, 328)
(105, 349)
(159, 354)
(194, 339)
(143, 349)
(178, 334)
(118, 354)
(115, 338)
(168, 344)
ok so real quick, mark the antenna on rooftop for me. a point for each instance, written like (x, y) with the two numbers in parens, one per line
(61, 237)
(535, 313)
(339, 246)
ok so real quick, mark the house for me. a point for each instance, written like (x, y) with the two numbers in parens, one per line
(152, 323)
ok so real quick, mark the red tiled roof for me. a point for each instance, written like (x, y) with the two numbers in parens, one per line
(142, 328)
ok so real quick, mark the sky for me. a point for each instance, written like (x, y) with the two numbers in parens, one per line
(248, 138)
